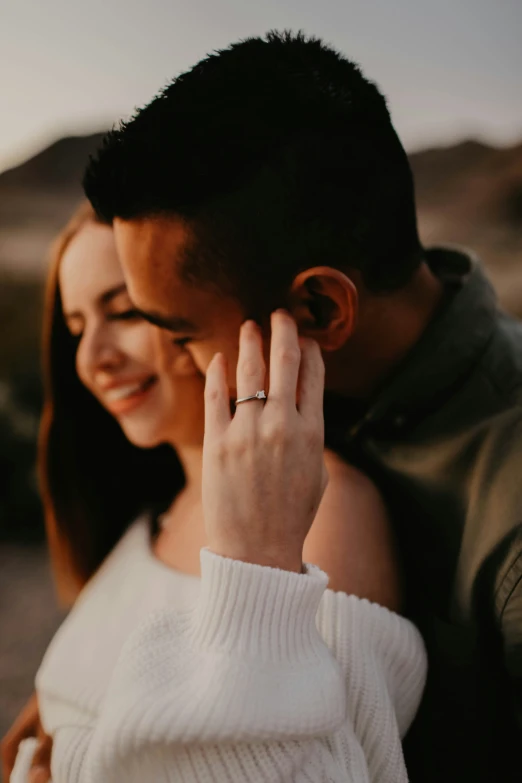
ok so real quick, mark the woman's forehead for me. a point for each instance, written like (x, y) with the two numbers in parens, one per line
(90, 264)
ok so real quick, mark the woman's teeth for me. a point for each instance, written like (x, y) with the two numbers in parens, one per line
(122, 392)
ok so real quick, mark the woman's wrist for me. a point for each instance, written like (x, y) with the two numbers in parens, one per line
(284, 558)
(264, 610)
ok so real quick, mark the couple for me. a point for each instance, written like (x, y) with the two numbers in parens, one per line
(267, 177)
(193, 652)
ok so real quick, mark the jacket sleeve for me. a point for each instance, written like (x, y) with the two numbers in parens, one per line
(494, 542)
(269, 678)
(509, 610)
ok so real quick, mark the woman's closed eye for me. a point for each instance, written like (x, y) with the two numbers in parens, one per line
(125, 315)
(76, 328)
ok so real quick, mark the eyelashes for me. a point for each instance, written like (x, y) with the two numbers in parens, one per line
(126, 315)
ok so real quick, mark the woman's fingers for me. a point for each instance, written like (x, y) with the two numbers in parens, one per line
(262, 484)
(217, 400)
(311, 381)
(251, 370)
(26, 725)
(40, 771)
(285, 357)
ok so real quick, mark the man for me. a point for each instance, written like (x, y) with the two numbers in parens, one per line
(270, 175)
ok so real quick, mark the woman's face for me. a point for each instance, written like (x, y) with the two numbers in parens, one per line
(150, 385)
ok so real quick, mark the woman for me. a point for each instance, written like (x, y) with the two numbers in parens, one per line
(182, 664)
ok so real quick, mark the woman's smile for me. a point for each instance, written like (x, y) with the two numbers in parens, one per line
(129, 395)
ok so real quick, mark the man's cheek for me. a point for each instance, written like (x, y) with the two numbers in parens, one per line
(202, 357)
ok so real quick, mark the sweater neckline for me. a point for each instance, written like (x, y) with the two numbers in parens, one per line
(146, 523)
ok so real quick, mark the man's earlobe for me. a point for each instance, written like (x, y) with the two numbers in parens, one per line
(323, 301)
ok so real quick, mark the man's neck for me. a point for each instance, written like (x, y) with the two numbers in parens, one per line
(389, 326)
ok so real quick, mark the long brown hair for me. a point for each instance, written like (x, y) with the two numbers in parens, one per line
(94, 482)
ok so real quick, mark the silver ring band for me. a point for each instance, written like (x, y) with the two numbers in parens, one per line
(259, 395)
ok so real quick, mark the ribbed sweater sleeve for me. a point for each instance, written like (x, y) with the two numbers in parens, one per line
(270, 677)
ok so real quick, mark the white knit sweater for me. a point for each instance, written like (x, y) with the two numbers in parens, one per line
(249, 674)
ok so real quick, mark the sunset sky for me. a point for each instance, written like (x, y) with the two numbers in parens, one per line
(450, 68)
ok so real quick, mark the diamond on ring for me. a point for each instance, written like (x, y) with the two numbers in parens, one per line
(259, 395)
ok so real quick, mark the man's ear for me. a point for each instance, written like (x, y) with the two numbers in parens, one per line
(324, 303)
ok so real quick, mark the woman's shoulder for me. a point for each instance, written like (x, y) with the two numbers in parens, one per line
(348, 476)
(128, 552)
(88, 641)
(352, 538)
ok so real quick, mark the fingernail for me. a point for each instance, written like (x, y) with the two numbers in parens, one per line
(281, 311)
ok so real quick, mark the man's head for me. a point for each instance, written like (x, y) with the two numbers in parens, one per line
(269, 175)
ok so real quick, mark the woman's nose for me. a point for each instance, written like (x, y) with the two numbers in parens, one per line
(98, 353)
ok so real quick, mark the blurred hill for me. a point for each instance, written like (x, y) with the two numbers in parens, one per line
(469, 194)
(60, 165)
(36, 199)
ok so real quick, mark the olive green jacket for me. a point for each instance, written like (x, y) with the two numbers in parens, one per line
(443, 441)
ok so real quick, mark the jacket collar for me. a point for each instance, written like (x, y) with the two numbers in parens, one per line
(449, 348)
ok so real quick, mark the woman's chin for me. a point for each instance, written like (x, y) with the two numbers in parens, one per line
(141, 435)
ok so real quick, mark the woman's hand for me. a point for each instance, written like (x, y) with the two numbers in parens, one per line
(263, 468)
(28, 725)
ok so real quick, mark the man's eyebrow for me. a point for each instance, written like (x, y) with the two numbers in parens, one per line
(171, 323)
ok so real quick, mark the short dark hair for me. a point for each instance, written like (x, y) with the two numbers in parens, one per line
(280, 155)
